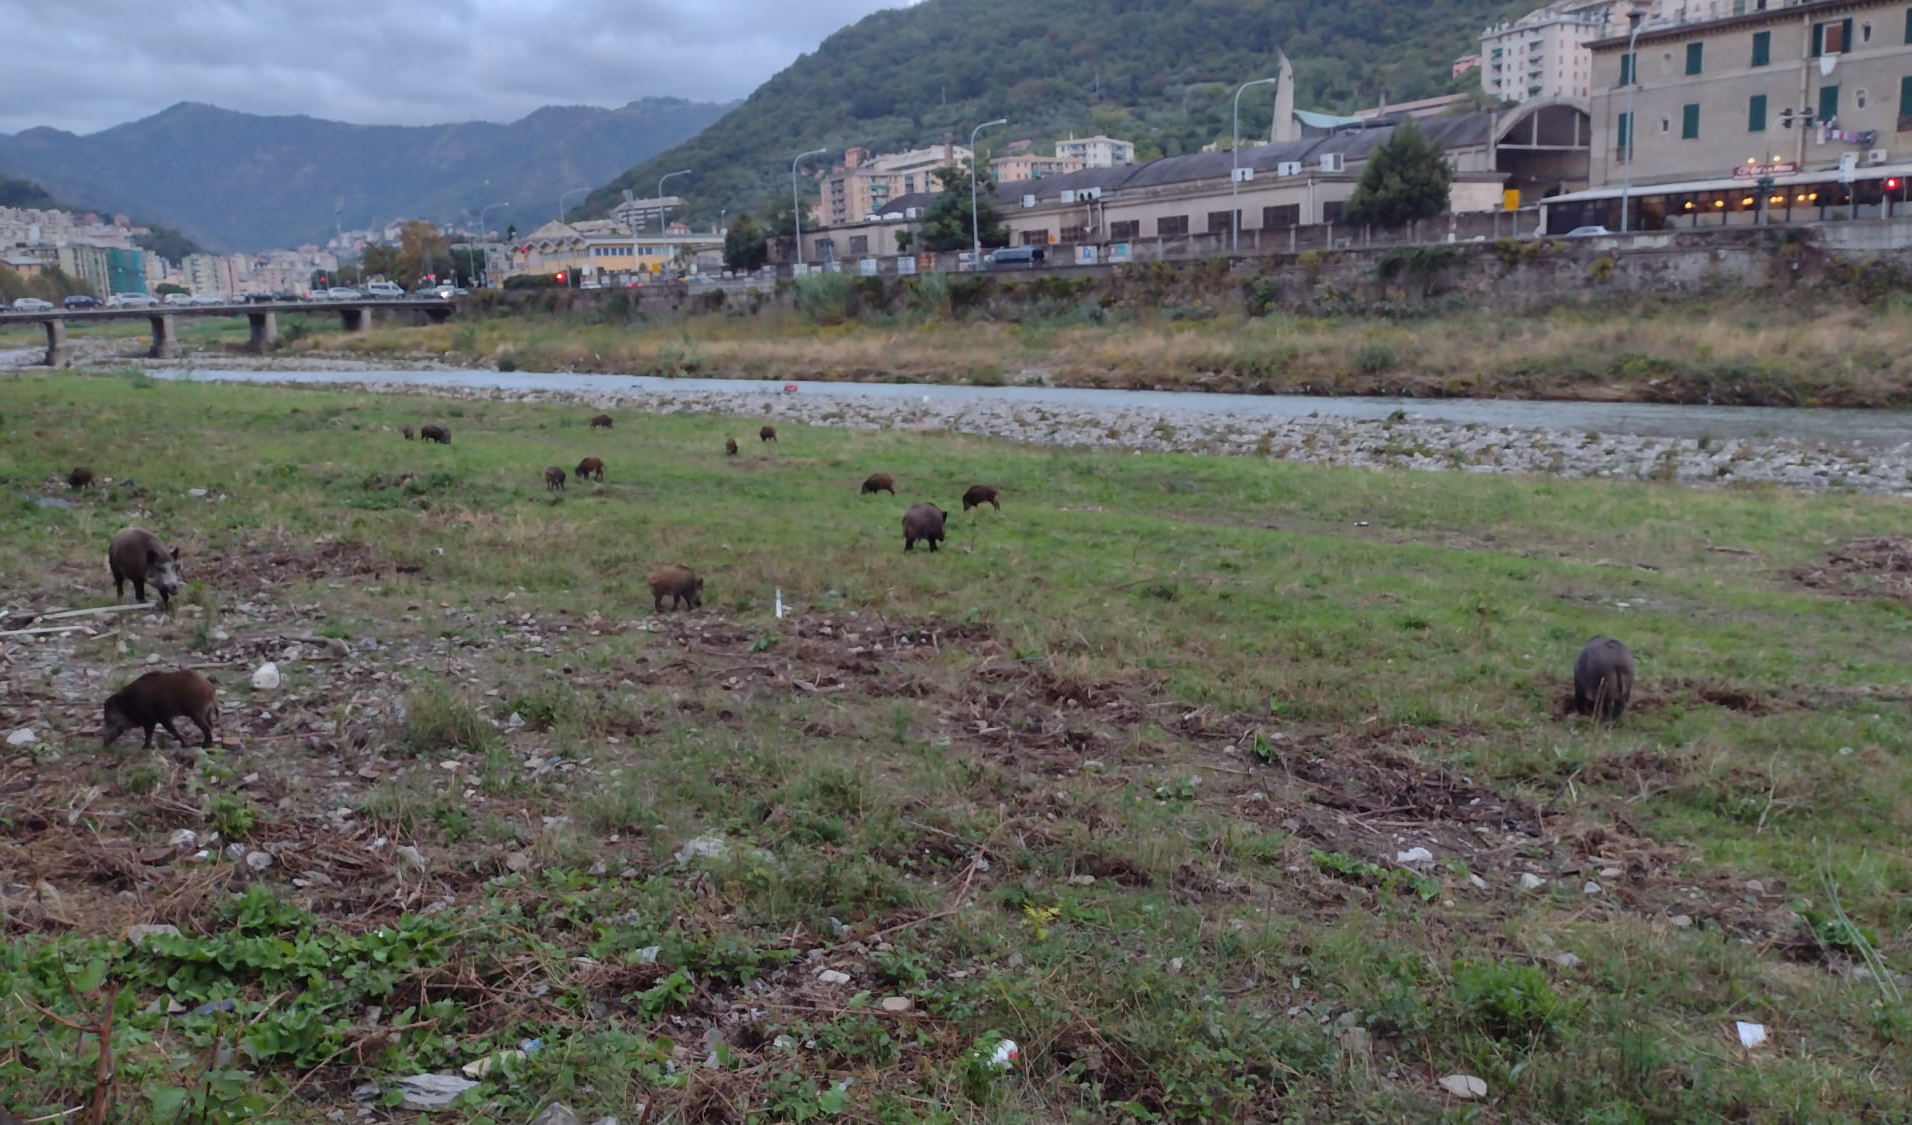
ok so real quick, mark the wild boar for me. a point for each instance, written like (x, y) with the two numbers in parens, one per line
(768, 433)
(980, 494)
(879, 482)
(136, 555)
(925, 522)
(678, 584)
(1603, 679)
(554, 479)
(156, 699)
(591, 467)
(439, 434)
(81, 477)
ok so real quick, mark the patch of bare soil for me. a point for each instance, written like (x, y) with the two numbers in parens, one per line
(1864, 568)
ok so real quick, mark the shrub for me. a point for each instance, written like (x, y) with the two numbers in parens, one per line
(1508, 1001)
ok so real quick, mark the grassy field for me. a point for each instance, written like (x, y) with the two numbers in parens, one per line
(1124, 772)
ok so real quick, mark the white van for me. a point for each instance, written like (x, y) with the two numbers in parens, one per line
(386, 290)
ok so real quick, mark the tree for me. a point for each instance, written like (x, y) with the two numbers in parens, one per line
(378, 258)
(167, 288)
(746, 245)
(422, 250)
(946, 222)
(1407, 177)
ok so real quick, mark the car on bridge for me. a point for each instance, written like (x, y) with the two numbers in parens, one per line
(343, 293)
(131, 301)
(82, 301)
(31, 304)
(177, 299)
(210, 299)
(385, 290)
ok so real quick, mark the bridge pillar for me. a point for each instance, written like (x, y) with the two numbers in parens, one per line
(355, 318)
(265, 332)
(165, 339)
(59, 353)
(440, 314)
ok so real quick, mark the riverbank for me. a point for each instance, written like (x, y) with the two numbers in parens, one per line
(1228, 789)
(1739, 451)
(1749, 349)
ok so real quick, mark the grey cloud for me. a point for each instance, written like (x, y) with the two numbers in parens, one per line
(87, 66)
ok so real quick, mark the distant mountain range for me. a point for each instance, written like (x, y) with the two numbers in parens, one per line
(1161, 73)
(239, 181)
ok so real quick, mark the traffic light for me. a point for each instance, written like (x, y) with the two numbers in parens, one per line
(1892, 184)
(560, 277)
(1786, 118)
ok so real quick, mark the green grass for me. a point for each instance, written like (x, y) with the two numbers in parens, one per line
(1125, 783)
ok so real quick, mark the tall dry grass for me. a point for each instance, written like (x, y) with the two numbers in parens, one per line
(1748, 349)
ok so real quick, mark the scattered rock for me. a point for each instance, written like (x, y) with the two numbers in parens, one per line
(411, 858)
(1082, 880)
(557, 1113)
(1681, 921)
(703, 847)
(22, 737)
(258, 861)
(649, 954)
(1566, 960)
(478, 1068)
(898, 1004)
(52, 502)
(138, 934)
(433, 1091)
(832, 976)
(183, 840)
(1531, 882)
(1413, 856)
(1591, 888)
(1464, 1086)
(267, 677)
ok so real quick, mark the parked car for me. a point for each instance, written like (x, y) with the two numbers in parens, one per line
(1587, 232)
(177, 299)
(287, 297)
(131, 301)
(210, 299)
(31, 304)
(343, 293)
(385, 290)
(82, 301)
(1015, 257)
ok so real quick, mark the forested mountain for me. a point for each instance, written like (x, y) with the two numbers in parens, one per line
(1159, 72)
(164, 241)
(239, 181)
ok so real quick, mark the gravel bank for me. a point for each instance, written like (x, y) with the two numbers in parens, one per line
(1402, 442)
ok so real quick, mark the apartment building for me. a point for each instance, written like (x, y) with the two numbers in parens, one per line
(1097, 151)
(212, 273)
(864, 185)
(1544, 54)
(645, 214)
(1766, 114)
(1028, 166)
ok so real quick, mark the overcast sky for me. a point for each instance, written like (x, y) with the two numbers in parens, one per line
(84, 65)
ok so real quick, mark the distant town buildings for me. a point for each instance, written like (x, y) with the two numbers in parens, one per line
(1097, 151)
(1465, 63)
(1029, 166)
(1544, 53)
(643, 214)
(863, 185)
(604, 252)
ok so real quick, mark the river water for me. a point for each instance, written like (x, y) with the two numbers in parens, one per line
(1843, 428)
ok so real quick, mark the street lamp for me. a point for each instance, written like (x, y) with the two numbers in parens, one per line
(1633, 127)
(797, 200)
(1234, 173)
(566, 196)
(975, 223)
(660, 196)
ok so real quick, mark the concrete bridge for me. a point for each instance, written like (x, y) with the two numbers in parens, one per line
(354, 316)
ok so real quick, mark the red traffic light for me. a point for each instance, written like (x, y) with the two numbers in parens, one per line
(560, 277)
(1892, 184)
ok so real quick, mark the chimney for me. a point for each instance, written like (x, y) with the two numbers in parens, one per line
(949, 148)
(1286, 128)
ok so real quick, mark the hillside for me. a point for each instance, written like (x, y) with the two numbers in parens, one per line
(164, 241)
(1159, 72)
(237, 181)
